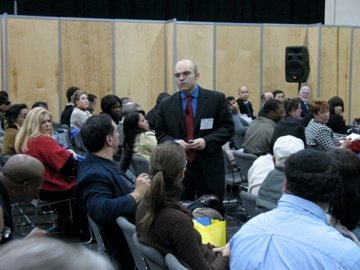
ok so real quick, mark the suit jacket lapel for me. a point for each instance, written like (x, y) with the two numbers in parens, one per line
(177, 105)
(200, 107)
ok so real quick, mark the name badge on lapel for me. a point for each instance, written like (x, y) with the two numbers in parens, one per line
(206, 123)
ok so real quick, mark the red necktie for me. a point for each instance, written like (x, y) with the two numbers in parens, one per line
(189, 125)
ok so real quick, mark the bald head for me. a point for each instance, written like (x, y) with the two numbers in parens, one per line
(22, 177)
(244, 93)
(22, 167)
(188, 64)
(186, 74)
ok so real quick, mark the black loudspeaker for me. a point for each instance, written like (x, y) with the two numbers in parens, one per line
(297, 67)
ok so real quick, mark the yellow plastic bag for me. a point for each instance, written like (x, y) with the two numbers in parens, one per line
(214, 233)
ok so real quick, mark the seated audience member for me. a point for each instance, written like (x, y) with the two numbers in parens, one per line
(296, 235)
(5, 105)
(80, 112)
(92, 103)
(317, 134)
(258, 136)
(245, 105)
(278, 94)
(139, 139)
(66, 113)
(103, 191)
(258, 172)
(345, 206)
(271, 188)
(125, 100)
(35, 138)
(16, 116)
(291, 124)
(240, 124)
(111, 105)
(153, 115)
(304, 94)
(20, 181)
(48, 253)
(41, 104)
(130, 107)
(265, 97)
(336, 120)
(161, 221)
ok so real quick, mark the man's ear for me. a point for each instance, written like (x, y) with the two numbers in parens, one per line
(108, 140)
(25, 186)
(197, 75)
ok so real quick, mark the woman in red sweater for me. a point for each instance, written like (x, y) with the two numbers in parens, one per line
(35, 139)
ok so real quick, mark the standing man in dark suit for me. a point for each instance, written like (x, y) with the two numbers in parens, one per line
(199, 120)
(245, 105)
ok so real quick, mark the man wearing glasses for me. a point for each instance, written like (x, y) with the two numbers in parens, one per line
(199, 120)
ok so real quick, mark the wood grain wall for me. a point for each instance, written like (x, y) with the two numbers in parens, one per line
(42, 57)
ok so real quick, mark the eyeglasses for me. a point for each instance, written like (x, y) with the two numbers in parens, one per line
(184, 74)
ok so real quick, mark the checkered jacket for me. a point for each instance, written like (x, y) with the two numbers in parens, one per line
(319, 136)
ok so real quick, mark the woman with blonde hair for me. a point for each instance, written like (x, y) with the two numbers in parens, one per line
(161, 222)
(80, 112)
(35, 139)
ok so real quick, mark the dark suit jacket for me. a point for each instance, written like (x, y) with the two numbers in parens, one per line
(304, 109)
(103, 192)
(243, 109)
(211, 104)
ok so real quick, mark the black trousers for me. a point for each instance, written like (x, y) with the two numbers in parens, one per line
(195, 184)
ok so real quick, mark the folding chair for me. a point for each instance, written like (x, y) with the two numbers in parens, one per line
(249, 202)
(128, 230)
(95, 230)
(233, 179)
(244, 162)
(173, 263)
(154, 259)
(138, 165)
(40, 204)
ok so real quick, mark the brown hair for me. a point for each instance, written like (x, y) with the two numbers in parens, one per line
(318, 105)
(167, 163)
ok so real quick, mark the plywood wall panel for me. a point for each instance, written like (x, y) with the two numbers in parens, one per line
(355, 78)
(329, 62)
(33, 62)
(169, 56)
(140, 61)
(238, 60)
(343, 76)
(275, 41)
(313, 33)
(87, 57)
(196, 42)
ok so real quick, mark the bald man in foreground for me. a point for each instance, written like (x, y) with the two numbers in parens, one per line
(198, 120)
(20, 181)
